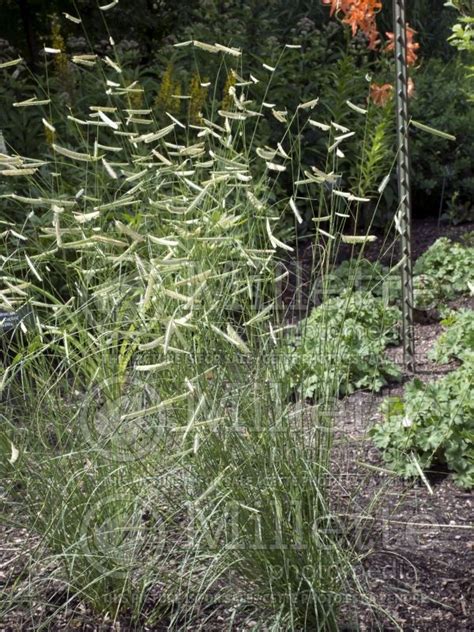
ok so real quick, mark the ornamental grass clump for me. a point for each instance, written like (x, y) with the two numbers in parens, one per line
(150, 442)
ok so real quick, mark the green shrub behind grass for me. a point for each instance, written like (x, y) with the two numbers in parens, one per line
(342, 344)
(442, 102)
(432, 424)
(443, 272)
(457, 340)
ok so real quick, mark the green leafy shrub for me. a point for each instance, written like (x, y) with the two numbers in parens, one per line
(457, 340)
(462, 36)
(457, 212)
(432, 424)
(468, 239)
(444, 271)
(22, 127)
(358, 274)
(441, 102)
(342, 346)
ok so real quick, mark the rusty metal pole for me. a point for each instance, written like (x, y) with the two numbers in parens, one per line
(403, 172)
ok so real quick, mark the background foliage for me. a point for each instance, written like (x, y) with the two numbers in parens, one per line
(330, 64)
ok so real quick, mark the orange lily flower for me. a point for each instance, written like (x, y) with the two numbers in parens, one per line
(381, 93)
(360, 15)
(412, 46)
(338, 5)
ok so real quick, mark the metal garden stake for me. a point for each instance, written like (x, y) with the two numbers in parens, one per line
(403, 172)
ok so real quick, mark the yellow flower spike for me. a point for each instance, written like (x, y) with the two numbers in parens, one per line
(57, 42)
(136, 98)
(227, 99)
(198, 94)
(164, 100)
(175, 100)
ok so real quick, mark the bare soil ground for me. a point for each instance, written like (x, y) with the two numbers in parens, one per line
(420, 566)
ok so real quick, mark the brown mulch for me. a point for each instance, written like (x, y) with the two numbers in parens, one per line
(386, 248)
(298, 292)
(424, 233)
(420, 541)
(417, 552)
